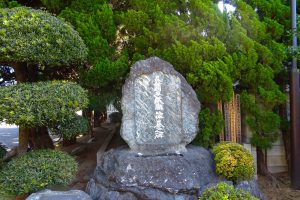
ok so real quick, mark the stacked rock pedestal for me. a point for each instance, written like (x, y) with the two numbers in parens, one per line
(160, 117)
(123, 174)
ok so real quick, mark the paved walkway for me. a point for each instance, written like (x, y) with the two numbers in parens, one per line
(9, 135)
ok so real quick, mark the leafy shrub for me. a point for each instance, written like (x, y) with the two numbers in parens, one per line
(71, 128)
(42, 103)
(9, 4)
(36, 170)
(210, 125)
(35, 36)
(223, 191)
(233, 161)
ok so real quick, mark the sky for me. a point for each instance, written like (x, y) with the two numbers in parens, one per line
(229, 8)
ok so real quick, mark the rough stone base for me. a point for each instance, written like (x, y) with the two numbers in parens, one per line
(123, 174)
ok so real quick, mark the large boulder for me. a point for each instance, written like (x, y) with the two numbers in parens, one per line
(160, 109)
(124, 174)
(59, 195)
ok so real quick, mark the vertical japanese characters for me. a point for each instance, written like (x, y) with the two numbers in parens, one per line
(158, 106)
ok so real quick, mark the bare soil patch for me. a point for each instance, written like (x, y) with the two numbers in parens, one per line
(278, 187)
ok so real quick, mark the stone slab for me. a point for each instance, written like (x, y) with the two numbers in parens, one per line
(160, 109)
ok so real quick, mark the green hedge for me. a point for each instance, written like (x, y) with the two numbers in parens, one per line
(71, 128)
(36, 170)
(42, 103)
(223, 191)
(233, 161)
(35, 36)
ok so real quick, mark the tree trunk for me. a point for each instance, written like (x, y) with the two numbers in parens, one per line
(39, 138)
(262, 168)
(97, 115)
(89, 116)
(20, 72)
(285, 132)
(35, 138)
(32, 73)
(45, 140)
(23, 141)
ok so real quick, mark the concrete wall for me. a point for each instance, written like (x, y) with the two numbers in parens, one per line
(276, 157)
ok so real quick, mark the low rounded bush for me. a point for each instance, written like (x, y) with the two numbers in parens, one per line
(223, 191)
(36, 170)
(233, 161)
(37, 37)
(71, 128)
(41, 103)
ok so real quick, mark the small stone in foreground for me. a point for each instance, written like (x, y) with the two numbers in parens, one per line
(59, 195)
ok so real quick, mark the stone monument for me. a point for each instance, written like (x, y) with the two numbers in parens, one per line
(160, 109)
(160, 117)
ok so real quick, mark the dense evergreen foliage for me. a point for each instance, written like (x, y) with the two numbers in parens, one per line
(107, 63)
(70, 129)
(35, 171)
(214, 50)
(41, 104)
(32, 41)
(36, 37)
(8, 3)
(211, 125)
(245, 50)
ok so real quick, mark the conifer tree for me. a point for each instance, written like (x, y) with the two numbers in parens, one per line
(211, 48)
(107, 61)
(214, 50)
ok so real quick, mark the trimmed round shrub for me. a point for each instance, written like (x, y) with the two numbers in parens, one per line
(233, 161)
(37, 37)
(42, 103)
(36, 170)
(223, 191)
(71, 128)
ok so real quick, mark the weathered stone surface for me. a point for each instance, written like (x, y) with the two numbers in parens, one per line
(124, 173)
(160, 109)
(252, 187)
(58, 195)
